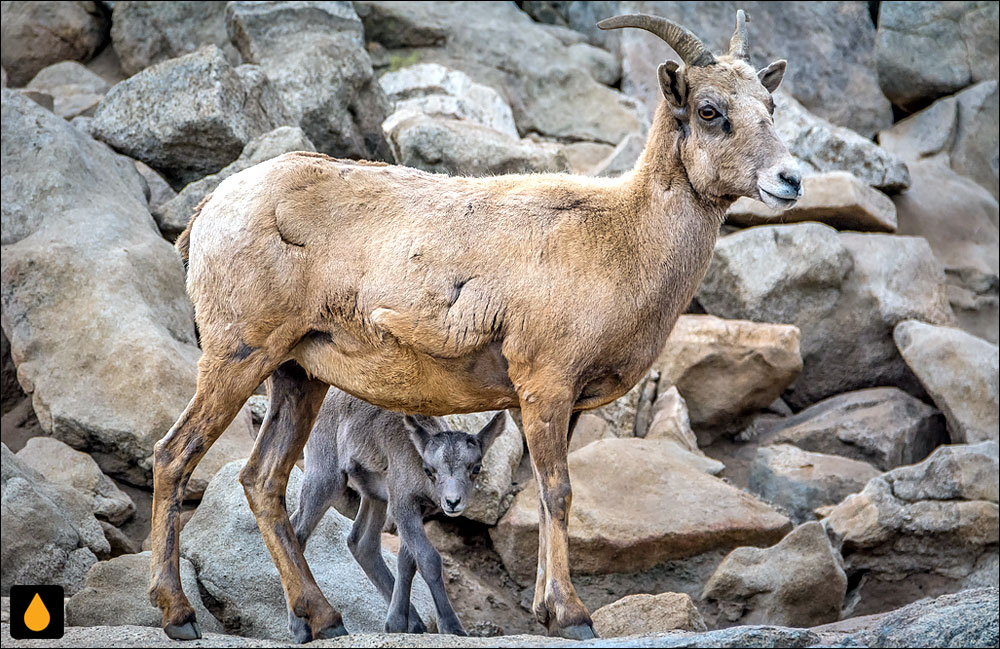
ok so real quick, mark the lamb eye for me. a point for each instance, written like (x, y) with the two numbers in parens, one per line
(476, 469)
(707, 113)
(429, 472)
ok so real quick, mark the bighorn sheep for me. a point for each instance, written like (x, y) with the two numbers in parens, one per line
(433, 294)
(385, 456)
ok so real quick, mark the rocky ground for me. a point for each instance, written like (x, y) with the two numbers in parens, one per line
(812, 460)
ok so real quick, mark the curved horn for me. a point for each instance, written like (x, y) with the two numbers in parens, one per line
(739, 44)
(690, 48)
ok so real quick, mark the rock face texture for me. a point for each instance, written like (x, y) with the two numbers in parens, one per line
(637, 614)
(926, 529)
(188, 117)
(37, 34)
(798, 582)
(75, 224)
(74, 89)
(671, 422)
(634, 506)
(960, 373)
(235, 568)
(50, 535)
(812, 37)
(844, 291)
(960, 37)
(323, 75)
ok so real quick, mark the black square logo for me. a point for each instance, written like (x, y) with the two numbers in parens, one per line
(36, 612)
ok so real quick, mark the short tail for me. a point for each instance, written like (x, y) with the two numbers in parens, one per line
(183, 243)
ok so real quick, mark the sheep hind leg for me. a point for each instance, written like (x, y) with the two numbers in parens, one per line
(225, 382)
(295, 401)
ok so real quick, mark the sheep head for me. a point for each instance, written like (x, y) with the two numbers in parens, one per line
(723, 110)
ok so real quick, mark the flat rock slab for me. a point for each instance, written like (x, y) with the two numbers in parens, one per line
(836, 198)
(636, 505)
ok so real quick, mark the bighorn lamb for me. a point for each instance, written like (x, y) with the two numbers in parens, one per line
(412, 465)
(433, 294)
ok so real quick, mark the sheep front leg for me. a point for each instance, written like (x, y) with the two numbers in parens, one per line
(410, 524)
(547, 430)
(400, 608)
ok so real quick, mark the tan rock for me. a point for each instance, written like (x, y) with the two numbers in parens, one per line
(728, 369)
(636, 505)
(798, 582)
(589, 428)
(647, 614)
(672, 424)
(836, 198)
(585, 156)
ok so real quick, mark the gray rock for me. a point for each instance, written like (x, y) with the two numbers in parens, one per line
(844, 291)
(623, 158)
(467, 149)
(187, 117)
(159, 191)
(601, 64)
(173, 215)
(960, 373)
(50, 535)
(800, 481)
(927, 50)
(60, 464)
(829, 49)
(921, 530)
(75, 224)
(114, 593)
(798, 582)
(584, 157)
(323, 74)
(37, 34)
(236, 570)
(147, 33)
(822, 147)
(74, 89)
(492, 494)
(882, 426)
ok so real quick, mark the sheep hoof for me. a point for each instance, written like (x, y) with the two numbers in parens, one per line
(331, 632)
(576, 632)
(186, 631)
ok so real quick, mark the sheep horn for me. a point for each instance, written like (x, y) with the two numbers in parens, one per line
(739, 44)
(690, 48)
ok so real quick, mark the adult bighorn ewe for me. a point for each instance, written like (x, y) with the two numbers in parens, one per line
(433, 294)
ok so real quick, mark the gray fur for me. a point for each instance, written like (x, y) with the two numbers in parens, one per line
(404, 466)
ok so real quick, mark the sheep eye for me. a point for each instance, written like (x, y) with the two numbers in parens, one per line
(429, 472)
(707, 113)
(476, 469)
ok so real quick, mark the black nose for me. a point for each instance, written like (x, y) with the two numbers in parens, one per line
(452, 504)
(791, 178)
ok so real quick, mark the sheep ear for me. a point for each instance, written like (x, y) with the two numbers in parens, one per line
(672, 85)
(492, 430)
(418, 433)
(771, 76)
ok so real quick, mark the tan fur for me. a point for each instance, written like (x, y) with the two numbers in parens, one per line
(433, 294)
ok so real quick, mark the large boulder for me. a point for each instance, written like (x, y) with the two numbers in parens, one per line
(960, 373)
(236, 570)
(636, 505)
(644, 613)
(799, 481)
(322, 74)
(551, 89)
(491, 497)
(884, 427)
(50, 535)
(798, 582)
(147, 33)
(727, 370)
(38, 34)
(114, 593)
(61, 464)
(835, 198)
(921, 530)
(925, 50)
(173, 215)
(112, 363)
(74, 89)
(829, 48)
(844, 291)
(187, 117)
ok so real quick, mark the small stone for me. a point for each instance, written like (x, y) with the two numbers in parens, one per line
(643, 613)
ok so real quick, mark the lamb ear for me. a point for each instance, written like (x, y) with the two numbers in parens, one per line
(672, 85)
(771, 76)
(492, 430)
(418, 433)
